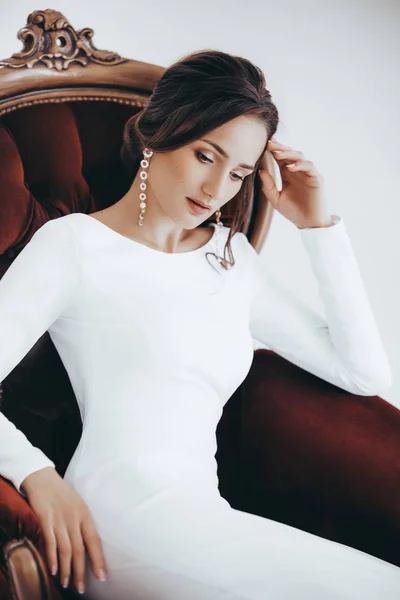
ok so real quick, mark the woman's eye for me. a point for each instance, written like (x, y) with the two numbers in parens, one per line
(202, 156)
(238, 178)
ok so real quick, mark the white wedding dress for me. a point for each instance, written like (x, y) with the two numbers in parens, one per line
(154, 345)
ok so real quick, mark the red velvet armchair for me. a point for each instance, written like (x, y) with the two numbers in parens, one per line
(291, 447)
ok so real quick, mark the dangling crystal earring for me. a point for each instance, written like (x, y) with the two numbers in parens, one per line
(218, 225)
(144, 163)
(218, 221)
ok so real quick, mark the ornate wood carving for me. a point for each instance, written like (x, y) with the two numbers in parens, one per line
(50, 40)
(136, 101)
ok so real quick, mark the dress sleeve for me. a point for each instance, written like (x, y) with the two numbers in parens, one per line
(33, 292)
(344, 349)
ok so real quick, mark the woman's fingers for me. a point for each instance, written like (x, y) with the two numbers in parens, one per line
(71, 545)
(294, 161)
(65, 554)
(273, 142)
(93, 545)
(287, 155)
(305, 165)
(78, 558)
(67, 527)
(51, 546)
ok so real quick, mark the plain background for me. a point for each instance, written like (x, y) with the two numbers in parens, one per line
(332, 70)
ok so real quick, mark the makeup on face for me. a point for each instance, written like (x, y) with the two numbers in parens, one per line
(199, 210)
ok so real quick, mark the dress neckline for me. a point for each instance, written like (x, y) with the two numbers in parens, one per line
(149, 248)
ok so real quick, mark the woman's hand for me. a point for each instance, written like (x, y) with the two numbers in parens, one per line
(66, 524)
(301, 199)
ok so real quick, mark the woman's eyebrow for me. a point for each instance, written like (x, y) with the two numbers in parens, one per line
(225, 154)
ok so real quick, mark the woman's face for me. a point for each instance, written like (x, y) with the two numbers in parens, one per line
(200, 172)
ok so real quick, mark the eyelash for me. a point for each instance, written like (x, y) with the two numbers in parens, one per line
(199, 154)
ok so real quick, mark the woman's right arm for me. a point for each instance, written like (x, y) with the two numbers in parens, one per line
(33, 293)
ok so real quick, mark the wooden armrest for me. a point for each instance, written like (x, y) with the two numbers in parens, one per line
(28, 576)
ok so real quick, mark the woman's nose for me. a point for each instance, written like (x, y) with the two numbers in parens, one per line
(214, 187)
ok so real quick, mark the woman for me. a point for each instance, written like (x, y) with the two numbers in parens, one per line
(153, 318)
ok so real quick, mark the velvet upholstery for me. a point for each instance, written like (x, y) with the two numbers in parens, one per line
(319, 458)
(57, 159)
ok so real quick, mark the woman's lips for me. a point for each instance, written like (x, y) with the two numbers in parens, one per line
(199, 210)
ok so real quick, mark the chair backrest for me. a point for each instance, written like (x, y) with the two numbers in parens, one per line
(63, 107)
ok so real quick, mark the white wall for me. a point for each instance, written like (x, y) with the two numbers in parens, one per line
(332, 70)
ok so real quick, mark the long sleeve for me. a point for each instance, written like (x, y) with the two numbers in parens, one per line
(345, 349)
(33, 293)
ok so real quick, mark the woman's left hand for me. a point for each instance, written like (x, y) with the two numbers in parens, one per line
(301, 200)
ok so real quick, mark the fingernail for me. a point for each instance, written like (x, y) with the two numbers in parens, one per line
(65, 582)
(81, 588)
(102, 575)
(54, 570)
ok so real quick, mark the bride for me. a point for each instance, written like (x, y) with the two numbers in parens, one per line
(154, 319)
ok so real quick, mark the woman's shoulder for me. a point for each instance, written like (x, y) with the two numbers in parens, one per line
(67, 228)
(57, 229)
(57, 224)
(59, 236)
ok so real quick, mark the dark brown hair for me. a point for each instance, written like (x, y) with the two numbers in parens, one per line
(196, 94)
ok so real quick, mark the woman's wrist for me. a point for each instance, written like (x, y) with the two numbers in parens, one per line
(328, 222)
(37, 477)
